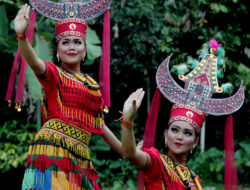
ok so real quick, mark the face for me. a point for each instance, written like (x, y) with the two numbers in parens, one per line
(71, 50)
(180, 137)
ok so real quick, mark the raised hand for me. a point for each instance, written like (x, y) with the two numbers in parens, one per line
(21, 21)
(132, 104)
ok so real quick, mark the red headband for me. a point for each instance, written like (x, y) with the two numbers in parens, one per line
(192, 115)
(71, 27)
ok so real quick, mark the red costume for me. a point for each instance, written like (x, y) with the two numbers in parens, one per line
(162, 174)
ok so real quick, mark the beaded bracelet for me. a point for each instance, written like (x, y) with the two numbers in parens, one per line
(21, 36)
(127, 124)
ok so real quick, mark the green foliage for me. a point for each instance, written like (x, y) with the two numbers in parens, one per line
(15, 138)
(94, 49)
(116, 172)
(242, 157)
(209, 166)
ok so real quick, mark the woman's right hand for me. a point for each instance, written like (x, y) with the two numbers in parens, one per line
(21, 21)
(132, 104)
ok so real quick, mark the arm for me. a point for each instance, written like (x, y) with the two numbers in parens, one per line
(21, 24)
(111, 139)
(137, 157)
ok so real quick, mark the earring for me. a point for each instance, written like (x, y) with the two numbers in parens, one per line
(166, 143)
(84, 55)
(191, 151)
(58, 58)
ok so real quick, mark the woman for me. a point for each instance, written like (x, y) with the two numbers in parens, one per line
(191, 105)
(162, 171)
(58, 157)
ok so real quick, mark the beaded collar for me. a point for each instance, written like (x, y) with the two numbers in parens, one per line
(84, 78)
(183, 173)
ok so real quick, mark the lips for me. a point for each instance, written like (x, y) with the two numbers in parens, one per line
(178, 144)
(71, 54)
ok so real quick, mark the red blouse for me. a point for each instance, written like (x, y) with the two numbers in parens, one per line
(68, 99)
(161, 173)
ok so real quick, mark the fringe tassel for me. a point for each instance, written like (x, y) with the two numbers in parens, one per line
(230, 178)
(104, 73)
(19, 60)
(150, 130)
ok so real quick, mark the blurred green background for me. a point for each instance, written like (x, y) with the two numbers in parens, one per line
(143, 34)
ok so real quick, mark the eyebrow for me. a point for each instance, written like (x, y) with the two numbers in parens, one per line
(184, 128)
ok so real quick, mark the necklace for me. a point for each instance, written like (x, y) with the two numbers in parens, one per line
(86, 79)
(183, 178)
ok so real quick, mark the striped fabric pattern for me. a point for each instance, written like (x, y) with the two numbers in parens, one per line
(56, 161)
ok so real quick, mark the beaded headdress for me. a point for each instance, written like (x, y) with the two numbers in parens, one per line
(194, 101)
(71, 27)
(83, 9)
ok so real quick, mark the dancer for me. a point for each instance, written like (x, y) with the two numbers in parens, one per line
(58, 157)
(191, 105)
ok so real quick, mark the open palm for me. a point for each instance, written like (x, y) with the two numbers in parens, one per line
(21, 21)
(132, 104)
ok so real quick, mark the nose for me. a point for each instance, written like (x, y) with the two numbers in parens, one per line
(179, 136)
(71, 46)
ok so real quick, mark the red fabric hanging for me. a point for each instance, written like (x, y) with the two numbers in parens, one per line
(21, 81)
(150, 130)
(230, 177)
(19, 60)
(14, 70)
(104, 73)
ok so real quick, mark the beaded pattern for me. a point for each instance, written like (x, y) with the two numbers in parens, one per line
(85, 9)
(198, 91)
(171, 171)
(71, 27)
(73, 131)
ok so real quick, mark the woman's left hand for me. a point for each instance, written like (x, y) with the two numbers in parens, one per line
(132, 104)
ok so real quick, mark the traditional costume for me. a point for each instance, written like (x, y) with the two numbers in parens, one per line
(72, 107)
(191, 105)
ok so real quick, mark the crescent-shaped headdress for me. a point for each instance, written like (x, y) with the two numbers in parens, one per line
(83, 9)
(194, 101)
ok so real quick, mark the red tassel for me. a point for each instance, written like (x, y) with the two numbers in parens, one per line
(150, 130)
(104, 73)
(15, 67)
(230, 178)
(20, 60)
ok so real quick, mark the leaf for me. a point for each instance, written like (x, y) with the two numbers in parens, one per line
(34, 86)
(42, 50)
(247, 51)
(91, 36)
(3, 21)
(93, 49)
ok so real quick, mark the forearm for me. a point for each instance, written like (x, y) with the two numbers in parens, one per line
(111, 140)
(128, 141)
(137, 157)
(37, 65)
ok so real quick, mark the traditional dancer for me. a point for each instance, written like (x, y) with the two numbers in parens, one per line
(72, 109)
(191, 105)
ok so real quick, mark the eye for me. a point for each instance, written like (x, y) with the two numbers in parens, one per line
(174, 129)
(79, 42)
(188, 133)
(65, 42)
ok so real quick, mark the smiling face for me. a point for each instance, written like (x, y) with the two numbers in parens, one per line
(71, 50)
(181, 138)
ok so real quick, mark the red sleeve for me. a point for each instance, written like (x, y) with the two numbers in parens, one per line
(50, 78)
(154, 170)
